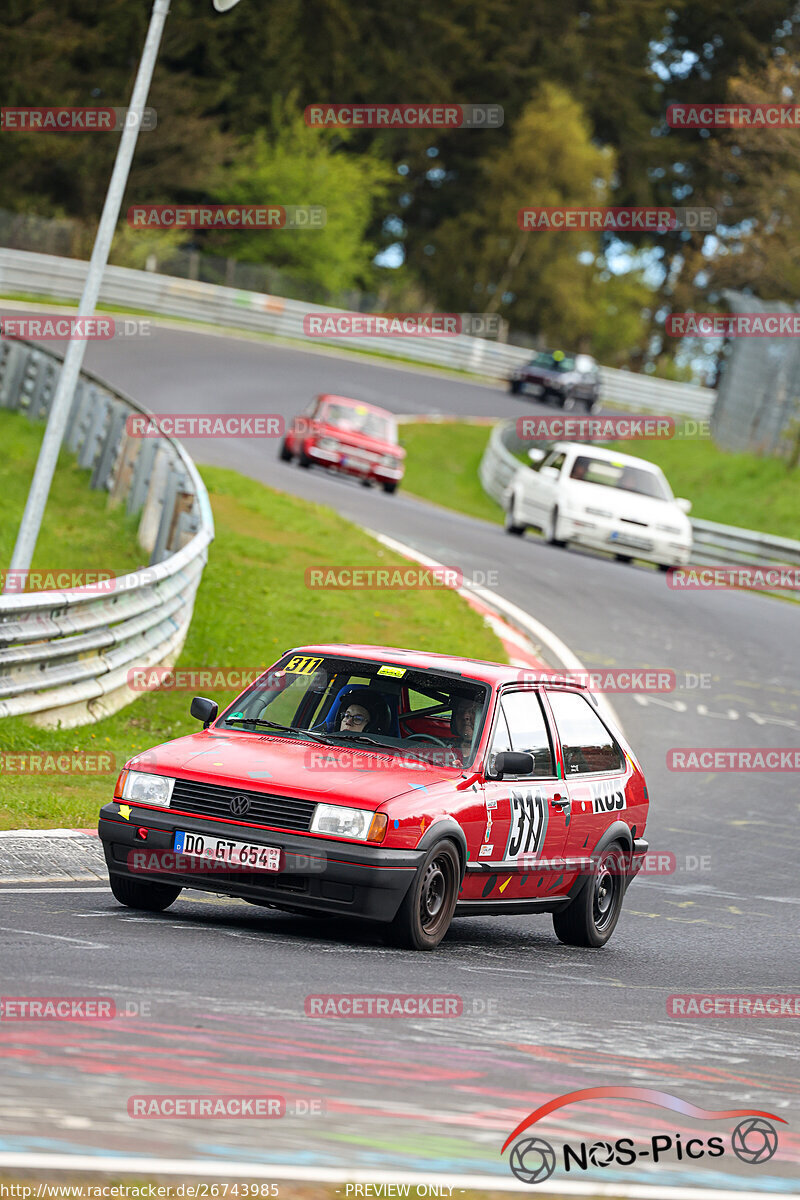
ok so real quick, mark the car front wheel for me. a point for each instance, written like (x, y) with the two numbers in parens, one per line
(150, 897)
(510, 522)
(427, 910)
(285, 454)
(591, 917)
(389, 488)
(515, 386)
(551, 532)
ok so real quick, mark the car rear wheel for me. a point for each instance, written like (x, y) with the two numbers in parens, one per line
(427, 910)
(390, 488)
(510, 523)
(285, 454)
(591, 917)
(150, 897)
(551, 532)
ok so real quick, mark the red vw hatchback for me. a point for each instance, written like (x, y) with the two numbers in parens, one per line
(393, 785)
(349, 436)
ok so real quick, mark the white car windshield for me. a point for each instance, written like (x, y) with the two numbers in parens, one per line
(620, 475)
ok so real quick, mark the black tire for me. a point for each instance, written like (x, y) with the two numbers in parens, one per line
(427, 910)
(285, 452)
(149, 897)
(589, 405)
(389, 488)
(626, 558)
(303, 459)
(515, 387)
(510, 525)
(550, 397)
(664, 567)
(550, 532)
(591, 917)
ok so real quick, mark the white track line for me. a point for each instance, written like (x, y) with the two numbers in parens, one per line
(116, 1165)
(560, 650)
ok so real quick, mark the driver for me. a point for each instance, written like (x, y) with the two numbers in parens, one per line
(462, 723)
(363, 712)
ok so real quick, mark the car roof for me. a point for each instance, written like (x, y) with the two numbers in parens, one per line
(350, 402)
(606, 455)
(472, 668)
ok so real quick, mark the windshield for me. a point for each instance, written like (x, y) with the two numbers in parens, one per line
(621, 476)
(554, 362)
(402, 711)
(357, 419)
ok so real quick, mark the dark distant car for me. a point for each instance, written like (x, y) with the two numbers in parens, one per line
(559, 378)
(350, 437)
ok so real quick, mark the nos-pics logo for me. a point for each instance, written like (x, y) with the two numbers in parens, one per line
(533, 1160)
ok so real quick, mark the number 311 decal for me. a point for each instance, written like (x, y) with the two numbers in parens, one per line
(528, 823)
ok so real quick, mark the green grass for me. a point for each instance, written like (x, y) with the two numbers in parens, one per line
(78, 532)
(252, 605)
(733, 489)
(442, 466)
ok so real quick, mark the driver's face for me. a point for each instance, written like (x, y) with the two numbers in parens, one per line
(354, 717)
(465, 719)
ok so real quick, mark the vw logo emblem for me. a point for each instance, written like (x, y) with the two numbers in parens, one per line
(240, 805)
(532, 1160)
(754, 1140)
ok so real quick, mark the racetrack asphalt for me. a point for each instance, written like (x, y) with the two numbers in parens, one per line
(226, 982)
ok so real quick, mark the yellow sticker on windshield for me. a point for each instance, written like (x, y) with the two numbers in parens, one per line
(361, 410)
(395, 672)
(302, 665)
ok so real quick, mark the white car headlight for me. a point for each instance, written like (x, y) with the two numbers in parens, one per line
(668, 529)
(342, 822)
(597, 512)
(388, 460)
(327, 444)
(140, 787)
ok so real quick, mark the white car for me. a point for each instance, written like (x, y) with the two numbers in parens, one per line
(580, 494)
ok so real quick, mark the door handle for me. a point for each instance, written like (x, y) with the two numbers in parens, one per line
(559, 801)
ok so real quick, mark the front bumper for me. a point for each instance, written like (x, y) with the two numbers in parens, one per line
(360, 466)
(318, 874)
(595, 533)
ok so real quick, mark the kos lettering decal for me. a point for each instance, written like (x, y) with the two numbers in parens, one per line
(604, 800)
(528, 823)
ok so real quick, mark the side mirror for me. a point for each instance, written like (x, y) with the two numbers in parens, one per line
(509, 762)
(535, 454)
(204, 710)
(684, 505)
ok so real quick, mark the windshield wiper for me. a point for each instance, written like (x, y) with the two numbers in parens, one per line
(356, 737)
(274, 725)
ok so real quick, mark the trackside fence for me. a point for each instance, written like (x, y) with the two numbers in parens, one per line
(65, 655)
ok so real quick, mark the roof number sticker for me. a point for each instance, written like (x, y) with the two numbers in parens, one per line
(302, 665)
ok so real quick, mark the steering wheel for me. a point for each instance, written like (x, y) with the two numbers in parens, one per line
(428, 737)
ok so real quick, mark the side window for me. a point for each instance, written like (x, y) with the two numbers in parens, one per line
(587, 744)
(556, 463)
(527, 729)
(502, 739)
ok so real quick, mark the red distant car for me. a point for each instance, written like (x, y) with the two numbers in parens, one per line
(389, 784)
(349, 436)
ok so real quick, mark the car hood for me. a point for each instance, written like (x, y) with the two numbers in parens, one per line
(352, 775)
(629, 505)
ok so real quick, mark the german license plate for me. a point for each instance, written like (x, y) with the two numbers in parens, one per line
(357, 464)
(246, 855)
(633, 543)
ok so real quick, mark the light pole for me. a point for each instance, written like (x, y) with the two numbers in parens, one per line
(73, 359)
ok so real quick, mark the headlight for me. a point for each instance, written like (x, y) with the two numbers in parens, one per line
(345, 822)
(327, 444)
(598, 512)
(668, 529)
(141, 787)
(389, 460)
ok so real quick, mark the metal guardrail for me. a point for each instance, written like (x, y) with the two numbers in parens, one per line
(714, 544)
(65, 655)
(23, 272)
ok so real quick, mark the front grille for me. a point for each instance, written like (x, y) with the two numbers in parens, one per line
(212, 800)
(630, 521)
